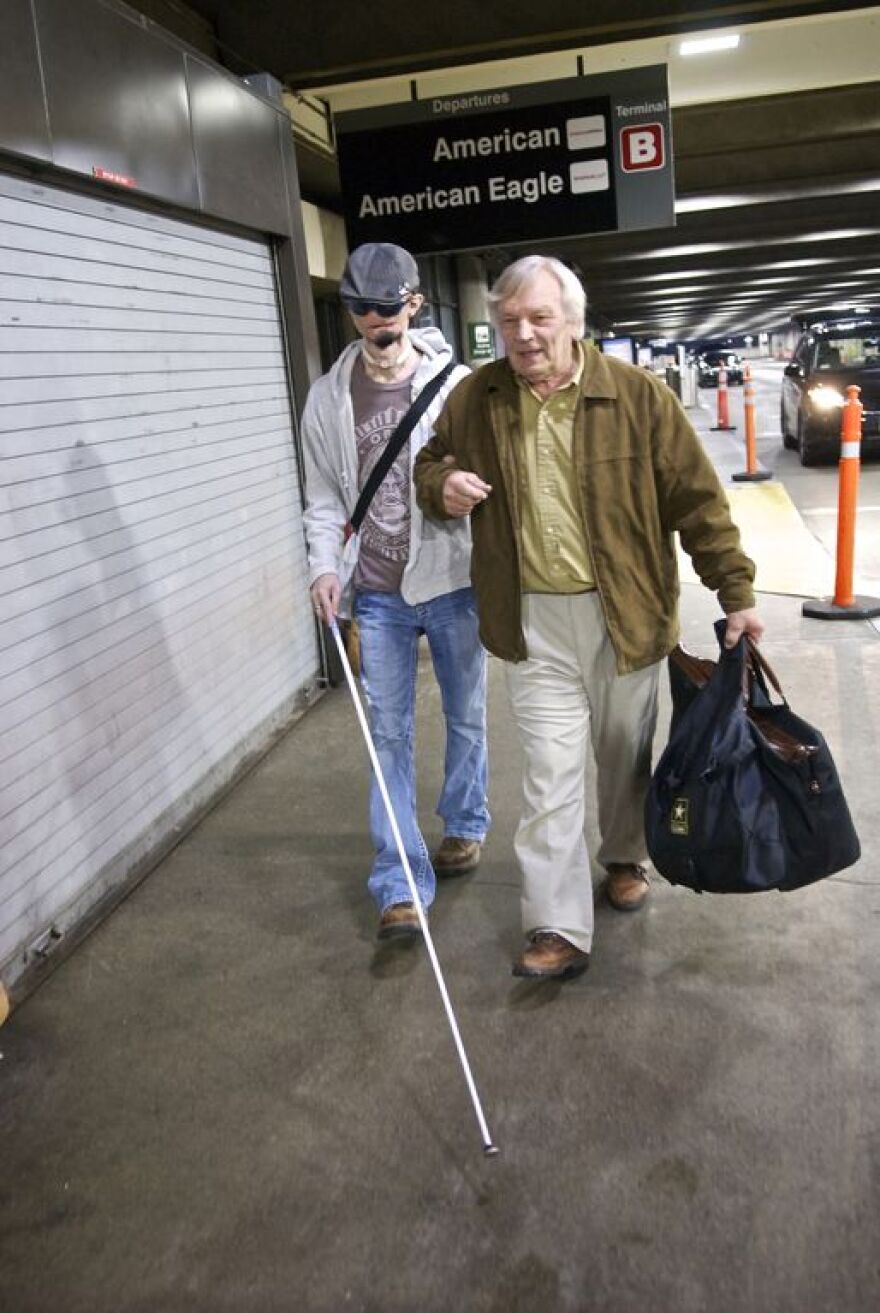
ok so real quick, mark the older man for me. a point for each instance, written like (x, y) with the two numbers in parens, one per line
(576, 469)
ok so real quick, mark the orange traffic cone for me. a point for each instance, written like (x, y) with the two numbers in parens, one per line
(844, 605)
(724, 425)
(751, 474)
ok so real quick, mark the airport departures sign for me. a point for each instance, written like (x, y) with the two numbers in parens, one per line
(509, 166)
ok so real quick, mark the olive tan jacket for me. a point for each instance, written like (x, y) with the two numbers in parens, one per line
(642, 475)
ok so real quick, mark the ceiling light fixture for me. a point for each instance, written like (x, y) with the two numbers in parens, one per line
(675, 274)
(704, 45)
(693, 204)
(799, 264)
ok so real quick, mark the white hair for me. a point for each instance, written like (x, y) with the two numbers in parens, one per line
(524, 271)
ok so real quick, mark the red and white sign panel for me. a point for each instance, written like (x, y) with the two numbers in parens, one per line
(642, 147)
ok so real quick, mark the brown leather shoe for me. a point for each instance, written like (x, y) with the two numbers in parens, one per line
(550, 957)
(400, 921)
(455, 856)
(627, 886)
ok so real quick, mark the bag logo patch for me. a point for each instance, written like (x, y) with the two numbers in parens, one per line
(679, 816)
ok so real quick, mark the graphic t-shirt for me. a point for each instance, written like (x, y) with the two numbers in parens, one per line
(384, 533)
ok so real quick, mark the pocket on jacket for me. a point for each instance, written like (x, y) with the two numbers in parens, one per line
(629, 448)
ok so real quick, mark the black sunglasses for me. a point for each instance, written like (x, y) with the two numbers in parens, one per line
(386, 309)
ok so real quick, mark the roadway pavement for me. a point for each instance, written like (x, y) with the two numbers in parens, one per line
(231, 1099)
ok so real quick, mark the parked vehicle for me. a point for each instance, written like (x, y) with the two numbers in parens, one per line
(711, 362)
(831, 354)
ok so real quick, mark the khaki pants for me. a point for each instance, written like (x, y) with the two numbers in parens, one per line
(569, 688)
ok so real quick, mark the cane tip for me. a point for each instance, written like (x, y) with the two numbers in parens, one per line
(490, 1150)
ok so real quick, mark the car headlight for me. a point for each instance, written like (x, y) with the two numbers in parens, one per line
(825, 398)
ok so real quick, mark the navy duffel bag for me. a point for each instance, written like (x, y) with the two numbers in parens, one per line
(746, 795)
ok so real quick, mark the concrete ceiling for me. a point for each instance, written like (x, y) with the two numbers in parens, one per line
(341, 41)
(777, 145)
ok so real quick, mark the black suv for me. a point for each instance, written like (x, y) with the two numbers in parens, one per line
(831, 354)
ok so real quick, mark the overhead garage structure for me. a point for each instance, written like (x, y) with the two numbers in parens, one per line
(776, 142)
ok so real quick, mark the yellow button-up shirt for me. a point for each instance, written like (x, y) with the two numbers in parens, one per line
(555, 558)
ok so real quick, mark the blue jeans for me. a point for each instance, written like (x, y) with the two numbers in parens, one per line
(389, 640)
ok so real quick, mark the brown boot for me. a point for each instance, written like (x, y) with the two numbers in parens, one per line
(400, 921)
(550, 957)
(455, 856)
(627, 886)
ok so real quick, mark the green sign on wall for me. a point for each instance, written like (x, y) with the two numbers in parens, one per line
(481, 341)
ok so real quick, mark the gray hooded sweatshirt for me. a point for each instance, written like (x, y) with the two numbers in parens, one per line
(439, 551)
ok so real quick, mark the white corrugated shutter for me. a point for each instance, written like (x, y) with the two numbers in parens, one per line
(154, 620)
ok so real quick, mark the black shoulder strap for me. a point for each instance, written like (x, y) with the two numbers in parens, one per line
(395, 442)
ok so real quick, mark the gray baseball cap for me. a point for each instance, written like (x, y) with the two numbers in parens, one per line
(379, 271)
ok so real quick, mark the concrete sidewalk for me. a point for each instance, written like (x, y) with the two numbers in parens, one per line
(231, 1099)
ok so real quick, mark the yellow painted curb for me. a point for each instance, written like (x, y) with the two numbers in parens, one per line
(4, 1005)
(788, 558)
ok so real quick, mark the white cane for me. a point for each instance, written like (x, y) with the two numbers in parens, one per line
(488, 1147)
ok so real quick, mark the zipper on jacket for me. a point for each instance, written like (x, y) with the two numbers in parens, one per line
(510, 473)
(580, 472)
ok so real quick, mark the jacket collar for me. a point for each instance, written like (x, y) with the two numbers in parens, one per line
(597, 378)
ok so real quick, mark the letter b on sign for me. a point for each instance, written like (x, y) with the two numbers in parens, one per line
(642, 147)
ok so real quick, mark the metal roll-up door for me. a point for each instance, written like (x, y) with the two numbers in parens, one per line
(154, 619)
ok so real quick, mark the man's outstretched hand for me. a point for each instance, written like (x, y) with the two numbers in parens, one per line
(462, 491)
